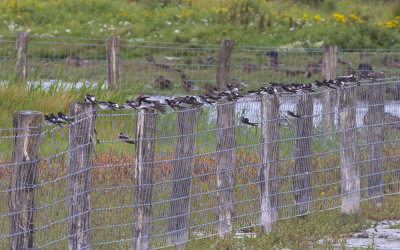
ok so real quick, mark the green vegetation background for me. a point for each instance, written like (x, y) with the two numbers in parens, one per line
(292, 23)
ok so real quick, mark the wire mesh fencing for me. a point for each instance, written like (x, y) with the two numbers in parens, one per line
(143, 63)
(194, 173)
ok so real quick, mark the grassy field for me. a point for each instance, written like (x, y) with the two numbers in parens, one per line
(298, 23)
(287, 24)
(112, 195)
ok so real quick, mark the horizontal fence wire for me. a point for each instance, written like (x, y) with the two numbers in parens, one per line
(79, 61)
(177, 174)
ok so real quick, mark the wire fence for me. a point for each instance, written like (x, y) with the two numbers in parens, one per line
(75, 60)
(196, 173)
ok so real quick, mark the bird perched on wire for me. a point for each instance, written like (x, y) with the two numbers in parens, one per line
(187, 85)
(52, 120)
(290, 113)
(232, 88)
(90, 99)
(64, 118)
(131, 105)
(245, 120)
(143, 103)
(109, 106)
(173, 103)
(125, 138)
(206, 99)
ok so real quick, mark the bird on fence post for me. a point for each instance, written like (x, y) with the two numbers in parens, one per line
(90, 99)
(245, 120)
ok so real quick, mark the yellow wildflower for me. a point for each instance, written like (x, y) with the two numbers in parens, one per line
(392, 24)
(222, 10)
(148, 13)
(317, 18)
(355, 18)
(322, 193)
(304, 17)
(185, 13)
(397, 17)
(339, 18)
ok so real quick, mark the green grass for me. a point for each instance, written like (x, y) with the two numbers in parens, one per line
(210, 20)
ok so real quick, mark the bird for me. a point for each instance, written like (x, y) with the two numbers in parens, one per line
(64, 118)
(104, 106)
(206, 99)
(52, 120)
(350, 78)
(163, 83)
(158, 106)
(245, 120)
(125, 138)
(131, 105)
(289, 89)
(238, 84)
(210, 89)
(114, 106)
(143, 103)
(109, 106)
(210, 59)
(173, 103)
(232, 88)
(90, 99)
(290, 113)
(187, 85)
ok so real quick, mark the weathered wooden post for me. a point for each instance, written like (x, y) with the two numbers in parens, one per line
(375, 140)
(349, 152)
(268, 171)
(21, 51)
(303, 154)
(23, 178)
(226, 143)
(143, 179)
(329, 66)
(80, 154)
(113, 63)
(183, 170)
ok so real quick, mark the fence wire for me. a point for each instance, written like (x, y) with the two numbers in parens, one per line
(184, 182)
(84, 60)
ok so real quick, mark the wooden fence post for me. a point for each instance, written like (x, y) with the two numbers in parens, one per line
(303, 154)
(268, 171)
(226, 143)
(23, 178)
(113, 63)
(21, 50)
(329, 67)
(349, 152)
(224, 63)
(183, 170)
(80, 147)
(375, 140)
(143, 179)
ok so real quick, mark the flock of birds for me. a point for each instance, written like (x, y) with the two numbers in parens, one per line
(144, 102)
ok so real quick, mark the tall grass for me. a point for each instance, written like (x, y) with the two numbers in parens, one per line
(208, 21)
